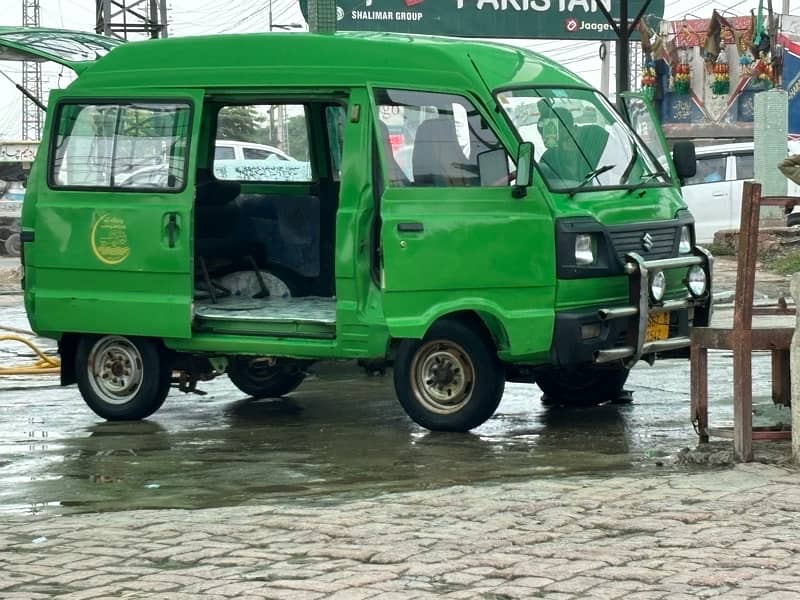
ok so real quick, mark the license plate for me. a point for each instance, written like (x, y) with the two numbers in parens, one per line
(657, 327)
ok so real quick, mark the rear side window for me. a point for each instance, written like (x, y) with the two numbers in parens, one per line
(744, 166)
(121, 146)
(710, 169)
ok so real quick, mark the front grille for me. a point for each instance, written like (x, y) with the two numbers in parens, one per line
(631, 241)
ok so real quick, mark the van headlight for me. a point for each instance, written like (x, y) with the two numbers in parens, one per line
(685, 245)
(584, 249)
(658, 285)
(696, 281)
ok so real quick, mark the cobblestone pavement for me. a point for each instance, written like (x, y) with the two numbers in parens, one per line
(723, 534)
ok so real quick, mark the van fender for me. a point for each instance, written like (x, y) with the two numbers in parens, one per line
(514, 332)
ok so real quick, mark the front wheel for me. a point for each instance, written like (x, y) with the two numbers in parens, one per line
(451, 380)
(583, 387)
(122, 378)
(263, 377)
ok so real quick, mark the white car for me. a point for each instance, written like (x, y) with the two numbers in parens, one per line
(236, 150)
(714, 194)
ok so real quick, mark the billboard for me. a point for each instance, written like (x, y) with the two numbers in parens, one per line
(527, 19)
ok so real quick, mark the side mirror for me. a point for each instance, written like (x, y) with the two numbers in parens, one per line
(524, 170)
(493, 168)
(684, 159)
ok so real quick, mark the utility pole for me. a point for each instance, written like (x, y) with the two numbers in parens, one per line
(322, 16)
(605, 69)
(624, 30)
(120, 18)
(31, 78)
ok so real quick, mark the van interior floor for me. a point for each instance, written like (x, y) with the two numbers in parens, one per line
(304, 309)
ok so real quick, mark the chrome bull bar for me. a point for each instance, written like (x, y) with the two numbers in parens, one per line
(640, 308)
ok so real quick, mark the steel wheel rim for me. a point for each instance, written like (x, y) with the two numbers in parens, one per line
(442, 377)
(115, 370)
(261, 370)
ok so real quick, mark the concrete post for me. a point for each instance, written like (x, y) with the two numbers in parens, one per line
(794, 367)
(770, 132)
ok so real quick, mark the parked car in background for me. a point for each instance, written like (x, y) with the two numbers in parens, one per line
(714, 194)
(236, 150)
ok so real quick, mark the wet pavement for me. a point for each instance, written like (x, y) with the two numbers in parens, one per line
(332, 492)
(342, 432)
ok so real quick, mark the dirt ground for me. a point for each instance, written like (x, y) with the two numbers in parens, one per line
(769, 285)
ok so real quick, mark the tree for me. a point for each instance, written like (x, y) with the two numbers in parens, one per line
(241, 123)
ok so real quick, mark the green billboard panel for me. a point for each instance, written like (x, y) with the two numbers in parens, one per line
(549, 19)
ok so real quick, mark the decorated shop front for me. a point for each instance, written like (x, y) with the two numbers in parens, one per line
(703, 74)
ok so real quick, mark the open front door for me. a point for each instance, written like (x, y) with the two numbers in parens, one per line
(641, 116)
(108, 221)
(73, 49)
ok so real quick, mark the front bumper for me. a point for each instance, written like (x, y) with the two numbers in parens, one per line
(624, 328)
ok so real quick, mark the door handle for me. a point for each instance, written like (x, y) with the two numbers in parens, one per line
(172, 228)
(718, 194)
(410, 227)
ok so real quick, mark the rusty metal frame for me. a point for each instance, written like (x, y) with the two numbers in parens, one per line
(743, 340)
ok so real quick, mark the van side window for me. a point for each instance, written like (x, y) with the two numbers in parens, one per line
(710, 169)
(745, 168)
(128, 146)
(273, 139)
(433, 139)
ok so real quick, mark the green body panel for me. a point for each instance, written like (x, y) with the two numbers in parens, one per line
(614, 207)
(480, 249)
(75, 286)
(305, 60)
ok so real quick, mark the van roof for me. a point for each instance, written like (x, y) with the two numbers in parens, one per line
(307, 59)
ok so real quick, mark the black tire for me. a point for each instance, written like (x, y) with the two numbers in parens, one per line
(793, 219)
(471, 380)
(13, 245)
(256, 377)
(586, 387)
(122, 378)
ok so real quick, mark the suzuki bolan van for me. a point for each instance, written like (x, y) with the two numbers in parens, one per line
(535, 233)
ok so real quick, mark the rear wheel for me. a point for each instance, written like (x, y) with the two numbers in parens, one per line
(793, 219)
(451, 380)
(122, 378)
(263, 377)
(585, 387)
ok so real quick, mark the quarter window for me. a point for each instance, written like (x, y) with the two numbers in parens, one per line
(121, 146)
(744, 166)
(434, 139)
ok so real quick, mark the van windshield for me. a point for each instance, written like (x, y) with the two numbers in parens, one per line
(579, 140)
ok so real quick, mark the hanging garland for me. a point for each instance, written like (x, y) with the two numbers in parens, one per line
(721, 83)
(681, 74)
(648, 82)
(762, 72)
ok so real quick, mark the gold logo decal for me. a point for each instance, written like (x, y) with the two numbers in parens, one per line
(110, 240)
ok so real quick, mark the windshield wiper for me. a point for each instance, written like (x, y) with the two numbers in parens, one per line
(591, 175)
(644, 179)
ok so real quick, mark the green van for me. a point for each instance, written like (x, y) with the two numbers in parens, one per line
(466, 212)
